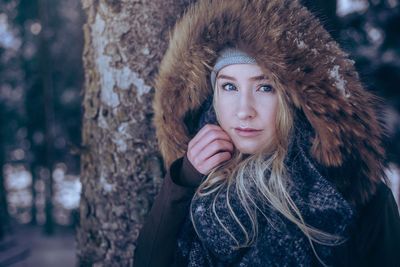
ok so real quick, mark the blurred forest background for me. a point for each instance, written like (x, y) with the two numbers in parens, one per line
(41, 87)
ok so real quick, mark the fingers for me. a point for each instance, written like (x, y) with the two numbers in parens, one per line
(203, 131)
(215, 160)
(214, 147)
(211, 146)
(208, 139)
(207, 134)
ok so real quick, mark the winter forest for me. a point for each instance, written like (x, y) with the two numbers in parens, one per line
(78, 154)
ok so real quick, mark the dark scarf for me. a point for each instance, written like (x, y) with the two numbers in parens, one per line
(280, 242)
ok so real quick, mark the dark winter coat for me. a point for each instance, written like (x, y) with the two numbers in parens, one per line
(375, 243)
(318, 80)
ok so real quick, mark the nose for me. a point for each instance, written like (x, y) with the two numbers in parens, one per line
(246, 108)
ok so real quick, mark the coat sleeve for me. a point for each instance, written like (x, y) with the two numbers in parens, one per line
(157, 238)
(378, 235)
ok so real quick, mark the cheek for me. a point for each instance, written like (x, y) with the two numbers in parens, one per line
(267, 109)
(270, 113)
(271, 117)
(225, 109)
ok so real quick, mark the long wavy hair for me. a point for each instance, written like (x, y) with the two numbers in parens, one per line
(266, 172)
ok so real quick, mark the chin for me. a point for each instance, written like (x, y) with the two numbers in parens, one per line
(247, 150)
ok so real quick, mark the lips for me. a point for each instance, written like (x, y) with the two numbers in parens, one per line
(247, 129)
(247, 132)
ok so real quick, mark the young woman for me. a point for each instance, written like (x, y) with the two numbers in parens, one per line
(272, 147)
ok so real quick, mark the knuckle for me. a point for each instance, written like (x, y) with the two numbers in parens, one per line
(196, 162)
(216, 143)
(208, 126)
(219, 156)
(200, 168)
(230, 146)
(225, 156)
(214, 133)
(220, 144)
(189, 155)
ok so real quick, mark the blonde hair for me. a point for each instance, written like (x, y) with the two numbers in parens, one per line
(264, 171)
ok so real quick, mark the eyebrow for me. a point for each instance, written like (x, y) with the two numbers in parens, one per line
(255, 78)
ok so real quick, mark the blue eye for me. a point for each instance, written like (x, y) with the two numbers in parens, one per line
(266, 88)
(228, 87)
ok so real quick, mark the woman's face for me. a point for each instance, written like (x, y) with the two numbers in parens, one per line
(246, 106)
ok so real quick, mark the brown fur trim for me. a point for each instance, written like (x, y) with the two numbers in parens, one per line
(287, 40)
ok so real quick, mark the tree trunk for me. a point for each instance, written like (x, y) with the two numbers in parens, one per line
(47, 91)
(4, 218)
(121, 168)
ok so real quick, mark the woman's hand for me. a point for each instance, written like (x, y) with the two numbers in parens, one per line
(210, 147)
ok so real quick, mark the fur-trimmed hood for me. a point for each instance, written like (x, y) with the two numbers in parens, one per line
(320, 81)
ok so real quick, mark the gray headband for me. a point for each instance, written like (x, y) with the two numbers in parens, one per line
(230, 56)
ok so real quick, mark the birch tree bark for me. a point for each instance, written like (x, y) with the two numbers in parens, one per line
(121, 168)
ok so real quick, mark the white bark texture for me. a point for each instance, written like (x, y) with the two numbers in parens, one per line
(121, 168)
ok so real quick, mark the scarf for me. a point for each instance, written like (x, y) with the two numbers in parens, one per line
(279, 242)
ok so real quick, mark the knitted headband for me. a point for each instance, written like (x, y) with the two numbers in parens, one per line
(230, 56)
